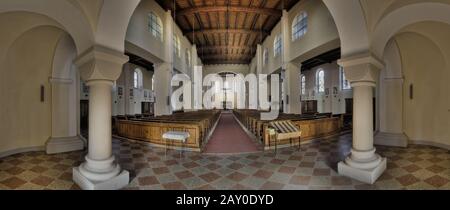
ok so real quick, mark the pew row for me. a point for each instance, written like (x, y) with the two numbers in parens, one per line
(151, 129)
(312, 126)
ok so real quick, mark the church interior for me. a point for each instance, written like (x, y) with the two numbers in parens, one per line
(362, 99)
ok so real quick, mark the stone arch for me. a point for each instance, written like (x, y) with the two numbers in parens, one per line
(399, 115)
(113, 23)
(71, 20)
(351, 24)
(398, 19)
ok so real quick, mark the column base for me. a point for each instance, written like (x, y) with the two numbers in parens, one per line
(118, 182)
(64, 144)
(391, 139)
(369, 175)
(100, 175)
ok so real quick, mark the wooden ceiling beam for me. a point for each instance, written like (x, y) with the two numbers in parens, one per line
(224, 31)
(245, 9)
(214, 47)
(227, 56)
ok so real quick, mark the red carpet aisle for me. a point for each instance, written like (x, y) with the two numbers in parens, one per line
(230, 138)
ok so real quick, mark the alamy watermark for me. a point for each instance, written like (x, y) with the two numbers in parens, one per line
(237, 90)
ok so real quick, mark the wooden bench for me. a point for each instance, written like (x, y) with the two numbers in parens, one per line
(284, 130)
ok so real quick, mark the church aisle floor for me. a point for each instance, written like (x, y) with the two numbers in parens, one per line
(230, 138)
(418, 167)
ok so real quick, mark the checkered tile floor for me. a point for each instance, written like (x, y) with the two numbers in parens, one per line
(314, 167)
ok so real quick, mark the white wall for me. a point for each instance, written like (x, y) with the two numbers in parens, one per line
(334, 103)
(131, 104)
(322, 36)
(425, 51)
(156, 50)
(26, 60)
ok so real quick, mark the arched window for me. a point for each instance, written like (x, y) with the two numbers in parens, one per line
(277, 45)
(320, 81)
(153, 82)
(303, 84)
(345, 84)
(266, 57)
(155, 25)
(176, 45)
(188, 58)
(299, 26)
(137, 79)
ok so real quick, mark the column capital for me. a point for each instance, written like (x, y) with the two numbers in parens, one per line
(362, 70)
(361, 59)
(100, 63)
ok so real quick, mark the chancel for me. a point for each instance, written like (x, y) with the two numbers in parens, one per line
(224, 95)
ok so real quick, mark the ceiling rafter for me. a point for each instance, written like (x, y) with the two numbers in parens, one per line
(246, 9)
(224, 31)
(227, 30)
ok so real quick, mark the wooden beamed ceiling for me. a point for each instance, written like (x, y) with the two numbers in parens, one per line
(226, 31)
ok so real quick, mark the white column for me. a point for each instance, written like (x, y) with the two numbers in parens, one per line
(65, 136)
(292, 89)
(363, 164)
(285, 60)
(100, 67)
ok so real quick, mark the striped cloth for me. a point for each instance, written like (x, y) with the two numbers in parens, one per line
(284, 127)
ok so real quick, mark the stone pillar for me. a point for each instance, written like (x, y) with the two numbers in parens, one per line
(65, 136)
(292, 89)
(363, 164)
(163, 77)
(287, 67)
(100, 67)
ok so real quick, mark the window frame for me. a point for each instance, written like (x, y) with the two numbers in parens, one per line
(277, 45)
(303, 84)
(320, 87)
(176, 46)
(300, 26)
(155, 26)
(138, 80)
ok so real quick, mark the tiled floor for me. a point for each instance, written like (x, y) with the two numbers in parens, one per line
(314, 167)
